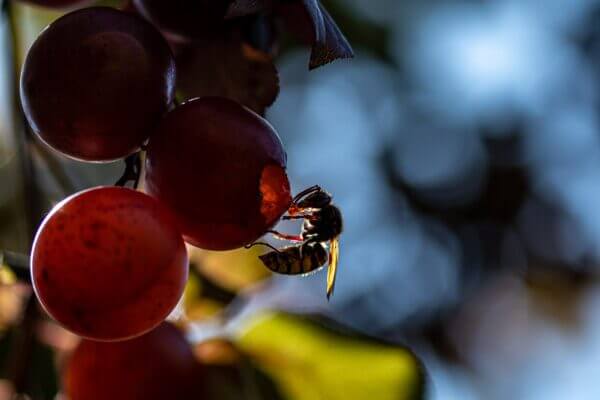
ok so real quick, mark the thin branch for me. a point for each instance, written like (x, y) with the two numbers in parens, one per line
(133, 171)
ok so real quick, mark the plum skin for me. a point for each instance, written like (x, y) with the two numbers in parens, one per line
(96, 82)
(157, 365)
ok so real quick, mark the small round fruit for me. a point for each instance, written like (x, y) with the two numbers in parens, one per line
(221, 168)
(96, 82)
(109, 263)
(158, 365)
(186, 18)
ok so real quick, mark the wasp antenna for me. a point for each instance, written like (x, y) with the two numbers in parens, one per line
(312, 189)
(249, 246)
(288, 217)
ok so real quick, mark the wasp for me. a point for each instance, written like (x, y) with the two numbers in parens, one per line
(322, 223)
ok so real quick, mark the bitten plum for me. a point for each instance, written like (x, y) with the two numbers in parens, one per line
(221, 169)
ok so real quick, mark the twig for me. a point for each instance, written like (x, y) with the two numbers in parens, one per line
(133, 171)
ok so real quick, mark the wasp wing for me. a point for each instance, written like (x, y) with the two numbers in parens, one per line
(334, 256)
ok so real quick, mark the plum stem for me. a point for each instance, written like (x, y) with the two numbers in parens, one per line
(133, 171)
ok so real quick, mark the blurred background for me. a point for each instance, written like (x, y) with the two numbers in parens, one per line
(463, 146)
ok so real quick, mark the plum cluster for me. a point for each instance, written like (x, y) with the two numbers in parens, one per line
(101, 84)
(109, 263)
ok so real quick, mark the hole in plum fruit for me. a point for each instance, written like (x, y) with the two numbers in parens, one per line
(275, 193)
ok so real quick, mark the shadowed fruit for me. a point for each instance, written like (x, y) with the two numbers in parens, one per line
(187, 18)
(96, 82)
(159, 365)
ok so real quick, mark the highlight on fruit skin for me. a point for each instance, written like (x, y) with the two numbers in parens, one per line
(156, 366)
(96, 82)
(220, 168)
(109, 263)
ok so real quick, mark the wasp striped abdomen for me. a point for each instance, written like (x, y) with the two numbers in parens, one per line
(296, 260)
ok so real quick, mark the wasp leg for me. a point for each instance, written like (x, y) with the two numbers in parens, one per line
(305, 192)
(249, 246)
(288, 217)
(284, 236)
(307, 243)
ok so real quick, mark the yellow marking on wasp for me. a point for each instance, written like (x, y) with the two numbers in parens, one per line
(334, 257)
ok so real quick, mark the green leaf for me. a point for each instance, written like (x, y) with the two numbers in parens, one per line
(311, 362)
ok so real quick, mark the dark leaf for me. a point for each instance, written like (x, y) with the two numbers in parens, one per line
(41, 373)
(240, 8)
(229, 374)
(239, 382)
(308, 20)
(228, 67)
